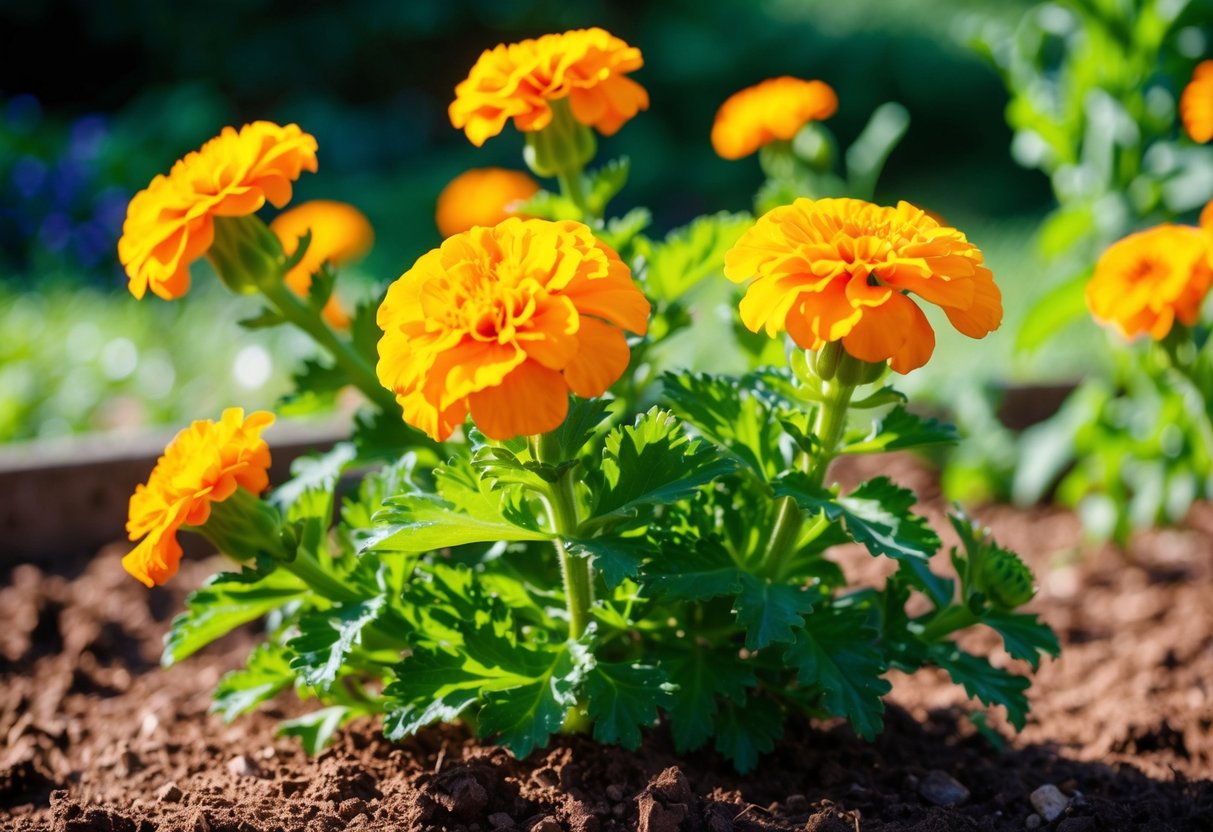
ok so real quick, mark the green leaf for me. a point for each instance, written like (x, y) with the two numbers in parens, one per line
(770, 612)
(899, 430)
(981, 680)
(621, 231)
(415, 523)
(692, 570)
(837, 652)
(877, 514)
(617, 558)
(365, 332)
(703, 677)
(315, 730)
(265, 674)
(313, 386)
(264, 319)
(321, 288)
(746, 732)
(584, 420)
(385, 436)
(730, 414)
(546, 205)
(309, 491)
(225, 602)
(623, 698)
(1024, 635)
(1052, 312)
(326, 637)
(690, 254)
(604, 184)
(653, 462)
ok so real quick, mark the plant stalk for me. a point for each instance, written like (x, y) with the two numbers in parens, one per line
(561, 499)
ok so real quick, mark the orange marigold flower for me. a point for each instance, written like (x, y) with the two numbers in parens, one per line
(482, 196)
(774, 110)
(170, 223)
(842, 270)
(1196, 103)
(1145, 281)
(340, 234)
(589, 67)
(505, 321)
(204, 464)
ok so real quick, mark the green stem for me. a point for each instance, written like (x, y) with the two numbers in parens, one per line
(561, 499)
(309, 570)
(572, 189)
(360, 373)
(830, 425)
(946, 622)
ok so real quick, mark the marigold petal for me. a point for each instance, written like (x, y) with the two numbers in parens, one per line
(482, 196)
(602, 357)
(773, 110)
(530, 400)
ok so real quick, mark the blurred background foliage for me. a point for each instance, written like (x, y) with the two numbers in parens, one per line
(372, 81)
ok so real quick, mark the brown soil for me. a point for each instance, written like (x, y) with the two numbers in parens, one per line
(96, 737)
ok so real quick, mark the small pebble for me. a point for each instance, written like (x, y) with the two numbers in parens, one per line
(796, 804)
(942, 789)
(169, 793)
(242, 766)
(547, 825)
(500, 820)
(1033, 821)
(1049, 802)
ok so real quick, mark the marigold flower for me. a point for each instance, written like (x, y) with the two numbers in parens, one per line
(774, 110)
(203, 464)
(1146, 281)
(170, 223)
(482, 196)
(1196, 103)
(842, 270)
(505, 321)
(589, 67)
(340, 234)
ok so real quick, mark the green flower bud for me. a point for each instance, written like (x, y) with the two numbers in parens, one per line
(244, 526)
(854, 372)
(245, 254)
(1005, 579)
(828, 359)
(564, 146)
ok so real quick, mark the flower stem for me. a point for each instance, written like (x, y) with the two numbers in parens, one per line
(360, 373)
(561, 499)
(947, 622)
(571, 188)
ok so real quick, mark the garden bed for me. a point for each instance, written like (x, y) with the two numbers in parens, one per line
(96, 737)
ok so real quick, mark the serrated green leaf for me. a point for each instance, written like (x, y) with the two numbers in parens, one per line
(265, 674)
(523, 718)
(326, 637)
(730, 414)
(546, 205)
(746, 732)
(603, 184)
(622, 231)
(415, 523)
(313, 385)
(1024, 635)
(431, 686)
(364, 330)
(981, 680)
(585, 419)
(692, 570)
(689, 254)
(386, 436)
(309, 491)
(223, 603)
(616, 558)
(770, 612)
(650, 462)
(315, 730)
(321, 288)
(623, 698)
(898, 430)
(703, 678)
(877, 514)
(836, 651)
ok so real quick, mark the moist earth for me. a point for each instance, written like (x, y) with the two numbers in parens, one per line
(95, 736)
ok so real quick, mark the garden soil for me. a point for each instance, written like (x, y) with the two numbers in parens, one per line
(94, 736)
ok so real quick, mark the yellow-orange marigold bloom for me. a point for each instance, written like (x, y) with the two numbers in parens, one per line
(203, 464)
(589, 67)
(481, 196)
(1146, 281)
(170, 223)
(340, 234)
(1196, 103)
(774, 110)
(504, 322)
(844, 269)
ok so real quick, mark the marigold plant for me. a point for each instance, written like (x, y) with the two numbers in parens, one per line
(774, 110)
(613, 541)
(481, 196)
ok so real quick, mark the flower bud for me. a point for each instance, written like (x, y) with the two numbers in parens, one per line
(564, 146)
(1005, 579)
(244, 527)
(828, 359)
(853, 372)
(245, 254)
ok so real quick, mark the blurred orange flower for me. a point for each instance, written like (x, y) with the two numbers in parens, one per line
(843, 269)
(1196, 103)
(481, 196)
(340, 234)
(774, 110)
(505, 321)
(170, 224)
(204, 464)
(1146, 281)
(587, 66)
